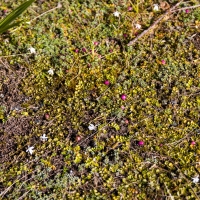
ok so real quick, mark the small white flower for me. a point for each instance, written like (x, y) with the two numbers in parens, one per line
(156, 7)
(30, 150)
(59, 5)
(92, 127)
(43, 137)
(6, 40)
(28, 22)
(195, 179)
(32, 50)
(138, 26)
(51, 72)
(116, 14)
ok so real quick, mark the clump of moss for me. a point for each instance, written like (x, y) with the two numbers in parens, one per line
(141, 100)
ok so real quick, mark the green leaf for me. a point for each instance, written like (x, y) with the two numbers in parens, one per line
(5, 23)
(9, 26)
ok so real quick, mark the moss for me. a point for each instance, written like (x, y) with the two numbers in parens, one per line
(159, 75)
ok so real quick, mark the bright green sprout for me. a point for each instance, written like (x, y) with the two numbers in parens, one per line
(8, 23)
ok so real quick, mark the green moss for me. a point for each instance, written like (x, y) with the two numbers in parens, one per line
(161, 107)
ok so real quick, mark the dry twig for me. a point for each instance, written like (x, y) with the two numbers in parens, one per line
(154, 24)
(186, 8)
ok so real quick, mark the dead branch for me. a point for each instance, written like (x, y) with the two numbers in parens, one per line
(154, 24)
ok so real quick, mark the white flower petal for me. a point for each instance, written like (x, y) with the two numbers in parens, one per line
(156, 7)
(195, 179)
(43, 137)
(51, 72)
(30, 150)
(116, 14)
(138, 26)
(59, 5)
(32, 50)
(92, 127)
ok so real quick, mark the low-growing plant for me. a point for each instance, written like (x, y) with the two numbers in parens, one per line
(100, 119)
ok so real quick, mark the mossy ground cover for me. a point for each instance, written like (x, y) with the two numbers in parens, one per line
(122, 121)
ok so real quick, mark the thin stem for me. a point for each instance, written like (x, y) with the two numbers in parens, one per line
(185, 8)
(153, 25)
(170, 195)
(58, 6)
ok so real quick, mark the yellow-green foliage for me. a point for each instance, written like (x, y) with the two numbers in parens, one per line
(159, 75)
